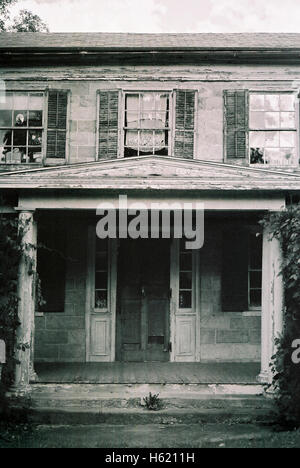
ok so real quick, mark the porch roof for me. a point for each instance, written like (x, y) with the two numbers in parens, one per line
(153, 173)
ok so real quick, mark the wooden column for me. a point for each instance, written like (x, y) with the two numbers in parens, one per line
(272, 303)
(26, 307)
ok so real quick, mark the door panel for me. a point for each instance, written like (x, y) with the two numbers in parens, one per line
(144, 305)
(100, 299)
(100, 333)
(185, 338)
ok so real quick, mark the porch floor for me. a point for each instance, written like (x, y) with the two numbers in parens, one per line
(150, 373)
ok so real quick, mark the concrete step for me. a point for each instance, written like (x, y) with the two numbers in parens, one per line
(93, 416)
(124, 404)
(132, 396)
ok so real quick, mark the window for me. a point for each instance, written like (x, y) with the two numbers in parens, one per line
(147, 124)
(272, 129)
(21, 128)
(185, 277)
(241, 269)
(255, 270)
(101, 274)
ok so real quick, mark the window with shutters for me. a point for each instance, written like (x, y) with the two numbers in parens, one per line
(142, 123)
(261, 128)
(57, 124)
(272, 129)
(21, 128)
(147, 124)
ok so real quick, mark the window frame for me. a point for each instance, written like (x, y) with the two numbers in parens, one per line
(170, 130)
(253, 231)
(296, 129)
(43, 129)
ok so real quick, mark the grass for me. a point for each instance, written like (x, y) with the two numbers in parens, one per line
(177, 436)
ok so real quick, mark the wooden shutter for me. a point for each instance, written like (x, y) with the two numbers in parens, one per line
(51, 266)
(236, 110)
(185, 124)
(108, 124)
(57, 123)
(235, 270)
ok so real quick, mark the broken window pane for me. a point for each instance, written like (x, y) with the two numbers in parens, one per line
(19, 114)
(257, 156)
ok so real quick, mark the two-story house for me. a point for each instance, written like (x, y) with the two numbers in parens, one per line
(206, 119)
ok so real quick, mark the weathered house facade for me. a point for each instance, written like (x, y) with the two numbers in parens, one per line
(211, 120)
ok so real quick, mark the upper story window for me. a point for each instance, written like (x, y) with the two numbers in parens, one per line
(21, 128)
(272, 129)
(147, 124)
(142, 123)
(34, 126)
(261, 128)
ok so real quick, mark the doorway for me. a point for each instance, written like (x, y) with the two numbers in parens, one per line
(143, 309)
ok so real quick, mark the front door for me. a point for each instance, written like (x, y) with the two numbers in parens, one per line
(144, 301)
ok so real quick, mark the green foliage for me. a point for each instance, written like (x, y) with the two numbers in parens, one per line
(153, 402)
(10, 251)
(26, 21)
(285, 226)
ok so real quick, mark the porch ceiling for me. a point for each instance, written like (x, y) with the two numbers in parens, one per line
(153, 173)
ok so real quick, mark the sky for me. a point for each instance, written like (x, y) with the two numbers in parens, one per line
(153, 16)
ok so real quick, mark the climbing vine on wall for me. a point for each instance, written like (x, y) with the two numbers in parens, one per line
(10, 252)
(12, 248)
(285, 226)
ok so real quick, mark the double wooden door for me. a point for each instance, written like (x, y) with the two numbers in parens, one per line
(143, 309)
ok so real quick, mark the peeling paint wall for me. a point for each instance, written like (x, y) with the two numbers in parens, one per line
(210, 81)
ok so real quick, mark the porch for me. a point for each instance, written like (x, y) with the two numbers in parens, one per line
(143, 310)
(230, 373)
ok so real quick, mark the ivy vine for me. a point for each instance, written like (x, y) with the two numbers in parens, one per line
(285, 226)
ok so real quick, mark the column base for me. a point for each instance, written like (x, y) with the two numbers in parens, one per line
(264, 377)
(33, 377)
(18, 391)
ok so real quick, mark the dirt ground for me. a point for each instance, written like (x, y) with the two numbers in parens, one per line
(148, 436)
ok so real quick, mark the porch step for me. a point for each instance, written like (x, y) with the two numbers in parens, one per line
(124, 404)
(130, 417)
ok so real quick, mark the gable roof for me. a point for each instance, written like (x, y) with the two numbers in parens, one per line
(152, 173)
(129, 41)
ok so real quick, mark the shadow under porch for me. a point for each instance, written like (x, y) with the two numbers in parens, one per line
(229, 342)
